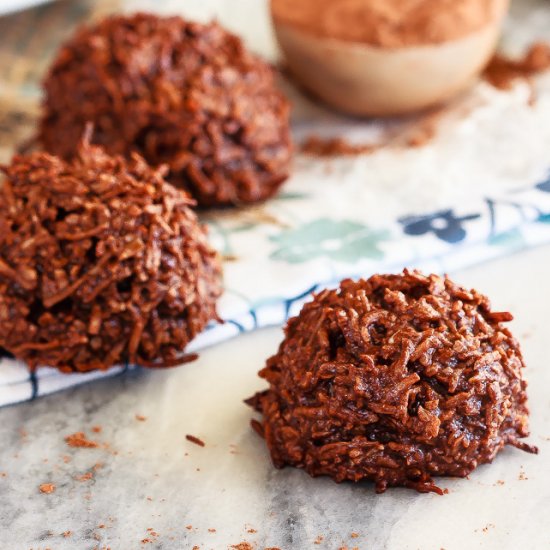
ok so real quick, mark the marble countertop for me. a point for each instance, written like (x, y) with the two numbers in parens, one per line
(146, 486)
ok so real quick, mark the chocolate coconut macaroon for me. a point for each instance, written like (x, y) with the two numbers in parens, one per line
(179, 93)
(102, 262)
(394, 379)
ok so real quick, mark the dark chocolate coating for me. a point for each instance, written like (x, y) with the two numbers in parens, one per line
(179, 93)
(102, 262)
(394, 379)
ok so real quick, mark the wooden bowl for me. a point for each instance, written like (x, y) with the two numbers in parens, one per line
(361, 79)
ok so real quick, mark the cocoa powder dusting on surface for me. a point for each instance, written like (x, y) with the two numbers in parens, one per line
(242, 546)
(390, 23)
(195, 440)
(79, 439)
(502, 72)
(424, 130)
(412, 133)
(331, 147)
(47, 488)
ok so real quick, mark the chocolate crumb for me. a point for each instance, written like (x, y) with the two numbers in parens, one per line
(522, 476)
(152, 535)
(47, 488)
(84, 477)
(195, 440)
(79, 439)
(331, 147)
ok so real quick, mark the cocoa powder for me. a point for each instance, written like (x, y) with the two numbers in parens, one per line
(502, 72)
(414, 133)
(317, 146)
(389, 23)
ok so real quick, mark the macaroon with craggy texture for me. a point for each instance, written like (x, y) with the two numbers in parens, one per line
(394, 379)
(184, 94)
(102, 262)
